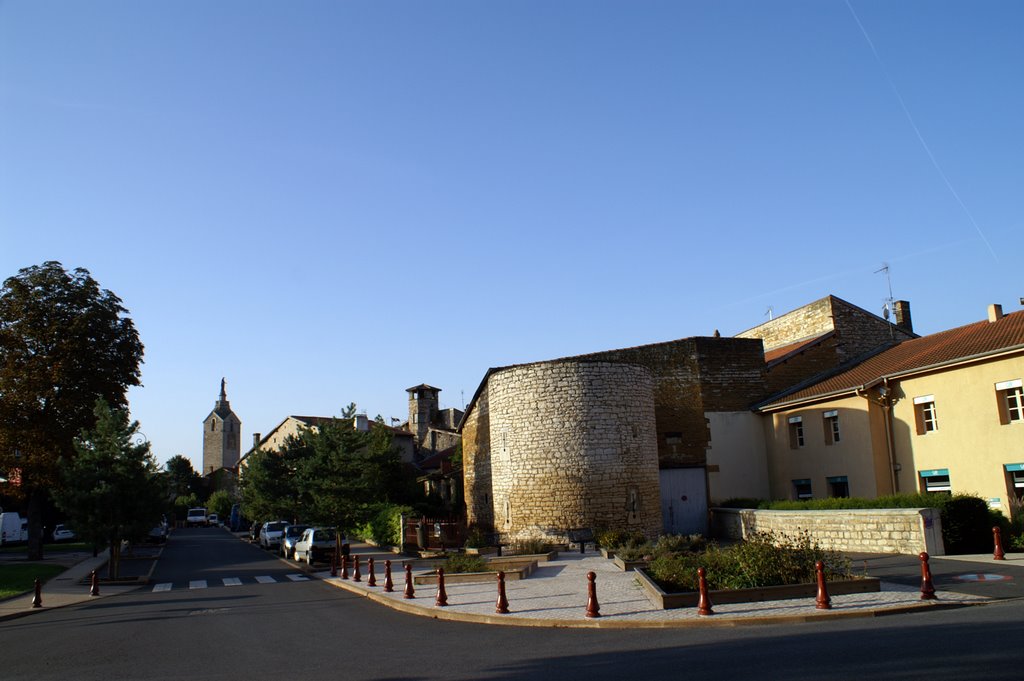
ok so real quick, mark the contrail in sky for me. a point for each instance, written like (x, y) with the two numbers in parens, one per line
(917, 131)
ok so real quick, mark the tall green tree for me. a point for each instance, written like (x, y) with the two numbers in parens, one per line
(182, 477)
(64, 342)
(112, 489)
(269, 486)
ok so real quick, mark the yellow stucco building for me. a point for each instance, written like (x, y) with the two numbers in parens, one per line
(943, 412)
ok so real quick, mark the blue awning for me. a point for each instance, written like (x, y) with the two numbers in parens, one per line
(935, 473)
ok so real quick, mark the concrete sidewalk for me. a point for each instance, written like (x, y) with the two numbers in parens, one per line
(63, 590)
(556, 596)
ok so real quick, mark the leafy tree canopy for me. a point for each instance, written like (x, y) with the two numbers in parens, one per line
(64, 342)
(182, 477)
(220, 502)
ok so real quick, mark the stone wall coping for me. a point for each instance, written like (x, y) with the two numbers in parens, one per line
(830, 511)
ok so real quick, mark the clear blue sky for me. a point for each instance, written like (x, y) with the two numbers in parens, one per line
(330, 202)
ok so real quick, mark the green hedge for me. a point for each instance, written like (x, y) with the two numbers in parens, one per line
(967, 521)
(384, 525)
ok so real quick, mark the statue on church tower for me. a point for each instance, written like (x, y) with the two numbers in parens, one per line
(222, 431)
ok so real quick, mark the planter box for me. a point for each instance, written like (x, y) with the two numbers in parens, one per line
(606, 553)
(525, 558)
(482, 551)
(688, 599)
(513, 571)
(627, 565)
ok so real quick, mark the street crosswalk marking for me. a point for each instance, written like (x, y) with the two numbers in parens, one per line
(163, 587)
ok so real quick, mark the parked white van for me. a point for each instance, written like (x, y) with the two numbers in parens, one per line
(13, 528)
(196, 517)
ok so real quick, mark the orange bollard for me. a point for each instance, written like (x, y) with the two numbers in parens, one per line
(344, 566)
(927, 588)
(823, 602)
(389, 585)
(356, 575)
(501, 607)
(593, 607)
(372, 581)
(704, 603)
(442, 595)
(94, 589)
(409, 591)
(998, 554)
(37, 599)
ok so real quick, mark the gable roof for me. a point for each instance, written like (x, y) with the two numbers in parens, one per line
(939, 350)
(778, 355)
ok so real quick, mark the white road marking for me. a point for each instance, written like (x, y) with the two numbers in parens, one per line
(266, 579)
(197, 584)
(298, 578)
(163, 586)
(232, 581)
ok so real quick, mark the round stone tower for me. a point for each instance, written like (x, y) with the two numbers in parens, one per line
(573, 444)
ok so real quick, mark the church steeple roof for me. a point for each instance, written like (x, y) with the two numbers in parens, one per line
(222, 408)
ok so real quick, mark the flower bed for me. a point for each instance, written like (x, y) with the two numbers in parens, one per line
(689, 599)
(514, 570)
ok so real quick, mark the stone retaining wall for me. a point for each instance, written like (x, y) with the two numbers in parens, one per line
(897, 530)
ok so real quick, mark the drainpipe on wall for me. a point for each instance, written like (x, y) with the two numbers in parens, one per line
(885, 401)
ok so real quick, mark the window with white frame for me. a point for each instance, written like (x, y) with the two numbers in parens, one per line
(1015, 480)
(796, 432)
(924, 414)
(1011, 401)
(831, 420)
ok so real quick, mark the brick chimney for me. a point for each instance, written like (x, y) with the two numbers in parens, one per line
(901, 313)
(995, 312)
(255, 440)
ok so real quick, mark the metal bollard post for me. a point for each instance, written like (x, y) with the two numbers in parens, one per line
(37, 599)
(593, 607)
(389, 585)
(344, 566)
(409, 591)
(704, 603)
(356, 575)
(372, 581)
(501, 607)
(927, 588)
(442, 595)
(998, 553)
(94, 582)
(823, 602)
(334, 564)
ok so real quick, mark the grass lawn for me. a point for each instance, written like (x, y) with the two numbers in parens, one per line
(50, 547)
(18, 579)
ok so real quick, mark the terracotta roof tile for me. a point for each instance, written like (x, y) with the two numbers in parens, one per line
(945, 347)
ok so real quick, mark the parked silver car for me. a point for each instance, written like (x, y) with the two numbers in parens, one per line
(271, 533)
(316, 543)
(292, 534)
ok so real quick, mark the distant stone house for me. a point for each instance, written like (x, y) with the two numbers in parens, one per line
(640, 438)
(433, 429)
(943, 412)
(291, 426)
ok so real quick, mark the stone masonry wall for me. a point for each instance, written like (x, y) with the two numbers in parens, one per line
(810, 320)
(476, 464)
(572, 444)
(899, 530)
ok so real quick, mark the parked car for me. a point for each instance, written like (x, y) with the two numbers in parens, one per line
(157, 535)
(196, 517)
(62, 533)
(213, 519)
(315, 543)
(254, 532)
(271, 533)
(292, 534)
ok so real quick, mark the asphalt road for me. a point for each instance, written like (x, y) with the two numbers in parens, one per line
(308, 630)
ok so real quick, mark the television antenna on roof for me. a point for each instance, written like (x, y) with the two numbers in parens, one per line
(887, 307)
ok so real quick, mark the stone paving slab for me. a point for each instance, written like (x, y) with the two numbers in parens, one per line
(556, 595)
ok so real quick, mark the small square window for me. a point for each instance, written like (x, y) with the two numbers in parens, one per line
(838, 486)
(802, 489)
(935, 481)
